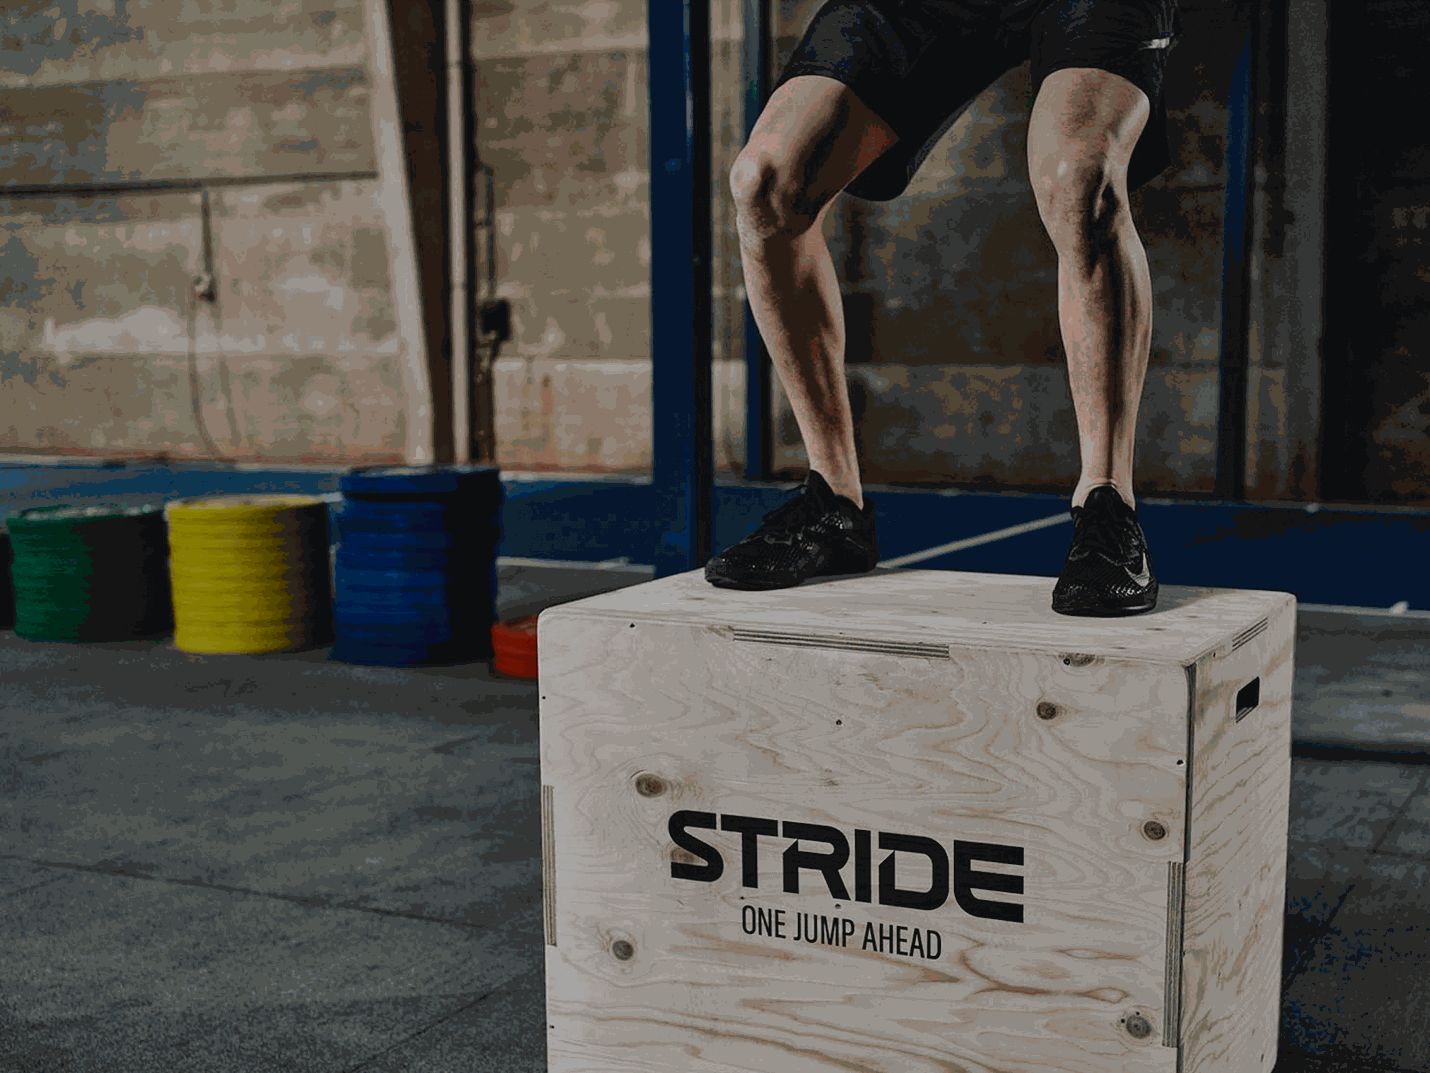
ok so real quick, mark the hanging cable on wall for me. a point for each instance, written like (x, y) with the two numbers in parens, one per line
(480, 320)
(491, 327)
(205, 285)
(205, 288)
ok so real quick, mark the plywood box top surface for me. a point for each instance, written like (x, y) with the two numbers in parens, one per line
(943, 607)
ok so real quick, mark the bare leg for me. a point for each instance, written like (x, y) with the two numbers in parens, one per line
(794, 295)
(813, 139)
(1084, 126)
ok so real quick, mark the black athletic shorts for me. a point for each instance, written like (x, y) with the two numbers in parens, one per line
(918, 65)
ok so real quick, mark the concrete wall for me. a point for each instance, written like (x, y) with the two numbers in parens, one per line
(955, 354)
(1376, 443)
(303, 354)
(1284, 394)
(951, 298)
(563, 97)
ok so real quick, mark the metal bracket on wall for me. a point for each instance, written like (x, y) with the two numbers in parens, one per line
(205, 283)
(495, 321)
(489, 318)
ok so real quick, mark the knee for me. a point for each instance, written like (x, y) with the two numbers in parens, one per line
(769, 203)
(1081, 196)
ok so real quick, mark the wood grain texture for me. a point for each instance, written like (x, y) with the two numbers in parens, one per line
(974, 610)
(669, 701)
(1236, 853)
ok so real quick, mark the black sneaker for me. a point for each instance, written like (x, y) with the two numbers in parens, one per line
(814, 535)
(1108, 569)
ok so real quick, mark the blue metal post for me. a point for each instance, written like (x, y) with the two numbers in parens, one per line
(1236, 277)
(680, 211)
(755, 56)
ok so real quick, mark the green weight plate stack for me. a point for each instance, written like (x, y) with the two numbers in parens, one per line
(91, 573)
(7, 594)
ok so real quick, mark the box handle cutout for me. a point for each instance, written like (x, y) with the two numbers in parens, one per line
(1248, 698)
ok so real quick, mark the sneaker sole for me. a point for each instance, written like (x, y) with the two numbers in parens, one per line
(751, 586)
(766, 586)
(1103, 611)
(757, 585)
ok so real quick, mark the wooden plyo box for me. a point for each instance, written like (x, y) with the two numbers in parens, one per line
(913, 821)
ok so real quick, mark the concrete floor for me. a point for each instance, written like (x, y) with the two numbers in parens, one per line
(236, 863)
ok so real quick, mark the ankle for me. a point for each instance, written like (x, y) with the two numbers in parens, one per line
(1084, 487)
(851, 492)
(841, 485)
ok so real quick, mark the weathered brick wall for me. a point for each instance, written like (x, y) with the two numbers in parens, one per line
(955, 355)
(955, 352)
(300, 356)
(1377, 312)
(563, 99)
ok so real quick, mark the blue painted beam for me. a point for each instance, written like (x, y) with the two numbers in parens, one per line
(755, 63)
(680, 211)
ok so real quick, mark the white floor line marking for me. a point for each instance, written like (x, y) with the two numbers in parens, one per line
(974, 541)
(1402, 609)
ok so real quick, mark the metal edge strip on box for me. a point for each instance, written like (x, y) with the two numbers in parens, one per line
(1172, 1001)
(857, 644)
(1176, 884)
(548, 862)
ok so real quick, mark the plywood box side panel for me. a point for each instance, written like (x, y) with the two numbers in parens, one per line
(1236, 855)
(699, 706)
(721, 1048)
(730, 772)
(1068, 759)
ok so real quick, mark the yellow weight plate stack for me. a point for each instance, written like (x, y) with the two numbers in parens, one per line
(250, 573)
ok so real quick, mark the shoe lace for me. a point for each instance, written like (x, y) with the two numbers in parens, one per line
(801, 509)
(1103, 533)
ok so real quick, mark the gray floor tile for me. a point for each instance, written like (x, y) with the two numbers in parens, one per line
(1364, 991)
(1318, 880)
(1295, 1062)
(365, 787)
(19, 877)
(1410, 836)
(1347, 804)
(107, 974)
(255, 863)
(1317, 877)
(504, 1032)
(1362, 679)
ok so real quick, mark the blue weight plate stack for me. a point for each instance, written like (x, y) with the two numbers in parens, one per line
(415, 574)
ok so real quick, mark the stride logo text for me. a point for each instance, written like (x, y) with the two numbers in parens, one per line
(830, 863)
